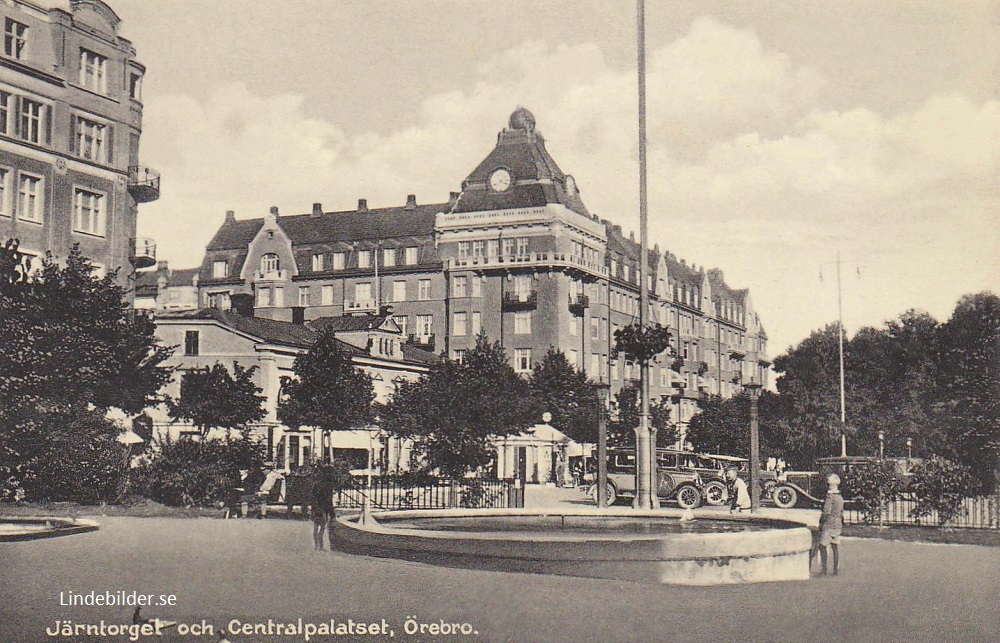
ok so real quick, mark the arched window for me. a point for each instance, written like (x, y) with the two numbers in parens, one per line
(270, 263)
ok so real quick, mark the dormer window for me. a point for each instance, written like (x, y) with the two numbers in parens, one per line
(270, 263)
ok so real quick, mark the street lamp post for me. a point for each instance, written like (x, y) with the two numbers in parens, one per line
(881, 445)
(603, 390)
(753, 389)
(909, 451)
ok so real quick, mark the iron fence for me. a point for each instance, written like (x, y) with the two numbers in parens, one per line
(982, 512)
(387, 492)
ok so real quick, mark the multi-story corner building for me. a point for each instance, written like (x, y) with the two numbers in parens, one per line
(515, 255)
(70, 121)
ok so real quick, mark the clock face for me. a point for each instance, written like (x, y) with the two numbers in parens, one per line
(500, 180)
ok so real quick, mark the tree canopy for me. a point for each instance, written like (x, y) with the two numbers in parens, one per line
(71, 337)
(71, 347)
(625, 419)
(211, 397)
(454, 412)
(915, 379)
(557, 387)
(327, 392)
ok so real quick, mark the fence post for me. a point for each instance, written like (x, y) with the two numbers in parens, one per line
(453, 494)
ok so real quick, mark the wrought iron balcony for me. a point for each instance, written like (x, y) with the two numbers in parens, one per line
(578, 304)
(143, 253)
(520, 300)
(143, 183)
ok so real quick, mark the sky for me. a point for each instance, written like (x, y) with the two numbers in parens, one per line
(782, 135)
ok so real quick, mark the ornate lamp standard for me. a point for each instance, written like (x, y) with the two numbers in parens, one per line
(753, 389)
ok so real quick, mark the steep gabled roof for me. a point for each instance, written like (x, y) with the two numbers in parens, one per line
(350, 225)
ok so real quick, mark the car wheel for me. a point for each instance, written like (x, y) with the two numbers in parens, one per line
(716, 493)
(785, 497)
(612, 494)
(688, 497)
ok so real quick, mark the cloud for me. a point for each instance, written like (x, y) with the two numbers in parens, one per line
(749, 169)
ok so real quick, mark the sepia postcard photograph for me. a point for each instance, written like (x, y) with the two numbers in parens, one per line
(510, 321)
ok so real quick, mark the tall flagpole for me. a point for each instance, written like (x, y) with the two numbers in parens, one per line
(645, 497)
(840, 333)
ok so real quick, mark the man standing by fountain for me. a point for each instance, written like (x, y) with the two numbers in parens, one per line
(737, 491)
(831, 523)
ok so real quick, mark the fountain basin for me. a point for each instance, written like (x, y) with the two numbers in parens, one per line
(635, 545)
(14, 529)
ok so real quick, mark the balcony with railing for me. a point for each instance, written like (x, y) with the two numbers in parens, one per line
(423, 341)
(520, 300)
(143, 183)
(578, 304)
(143, 253)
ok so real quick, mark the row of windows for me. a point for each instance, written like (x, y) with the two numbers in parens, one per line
(492, 248)
(320, 262)
(390, 257)
(26, 202)
(93, 69)
(31, 120)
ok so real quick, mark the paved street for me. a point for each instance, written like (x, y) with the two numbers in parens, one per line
(253, 570)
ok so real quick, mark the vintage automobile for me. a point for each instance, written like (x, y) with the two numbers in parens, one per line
(712, 468)
(675, 481)
(808, 488)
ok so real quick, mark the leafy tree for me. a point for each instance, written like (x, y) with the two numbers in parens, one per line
(641, 345)
(71, 337)
(940, 486)
(723, 426)
(456, 410)
(70, 348)
(327, 392)
(968, 378)
(621, 428)
(565, 392)
(214, 398)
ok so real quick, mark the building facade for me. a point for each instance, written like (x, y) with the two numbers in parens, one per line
(515, 254)
(70, 123)
(204, 337)
(166, 289)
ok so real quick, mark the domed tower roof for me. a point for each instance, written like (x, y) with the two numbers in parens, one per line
(521, 119)
(527, 175)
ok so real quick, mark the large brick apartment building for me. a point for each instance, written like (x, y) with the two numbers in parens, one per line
(515, 254)
(70, 122)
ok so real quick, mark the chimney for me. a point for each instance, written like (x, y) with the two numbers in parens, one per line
(411, 201)
(242, 303)
(684, 263)
(317, 210)
(362, 205)
(274, 211)
(230, 216)
(453, 197)
(298, 315)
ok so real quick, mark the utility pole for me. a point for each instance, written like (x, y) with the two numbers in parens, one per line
(645, 460)
(840, 343)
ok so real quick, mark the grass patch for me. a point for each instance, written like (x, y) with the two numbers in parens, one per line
(985, 537)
